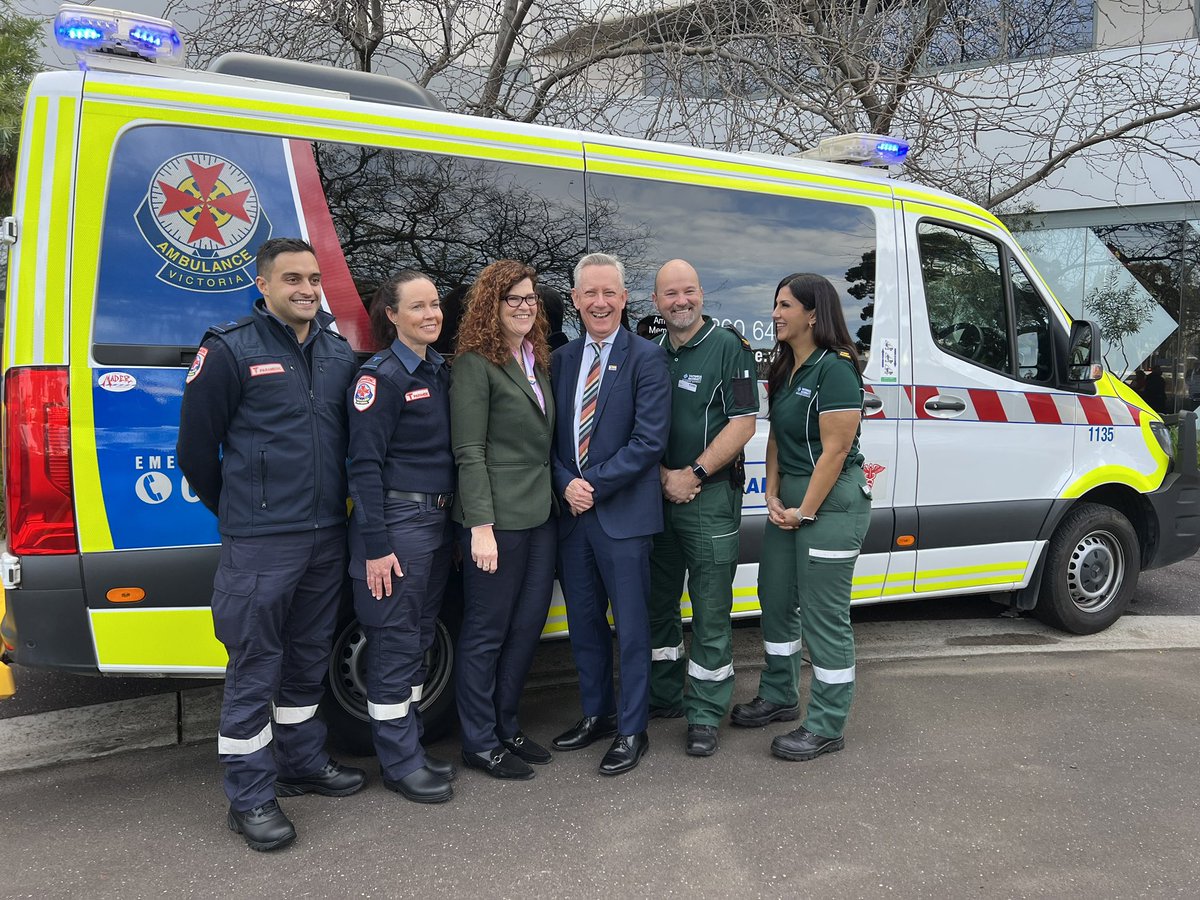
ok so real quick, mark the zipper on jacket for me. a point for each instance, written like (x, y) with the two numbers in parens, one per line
(262, 474)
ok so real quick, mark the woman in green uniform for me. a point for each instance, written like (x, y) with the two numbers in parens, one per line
(819, 508)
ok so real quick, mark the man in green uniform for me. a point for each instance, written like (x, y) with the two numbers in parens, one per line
(714, 403)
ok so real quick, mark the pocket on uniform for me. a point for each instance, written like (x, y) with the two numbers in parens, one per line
(233, 605)
(725, 548)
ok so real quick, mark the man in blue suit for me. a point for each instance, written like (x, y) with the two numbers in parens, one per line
(613, 396)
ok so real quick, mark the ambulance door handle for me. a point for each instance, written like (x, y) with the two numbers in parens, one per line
(871, 405)
(940, 403)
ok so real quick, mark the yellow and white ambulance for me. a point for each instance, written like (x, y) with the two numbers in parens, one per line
(1002, 459)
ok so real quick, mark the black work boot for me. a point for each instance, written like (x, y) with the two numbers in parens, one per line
(264, 827)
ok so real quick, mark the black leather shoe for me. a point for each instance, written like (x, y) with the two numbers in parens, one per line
(803, 744)
(264, 827)
(422, 786)
(527, 750)
(440, 767)
(586, 731)
(701, 740)
(335, 780)
(625, 753)
(499, 763)
(759, 712)
(666, 712)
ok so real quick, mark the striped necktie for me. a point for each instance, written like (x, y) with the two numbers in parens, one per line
(587, 407)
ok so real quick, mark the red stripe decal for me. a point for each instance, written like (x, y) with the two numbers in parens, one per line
(1095, 411)
(987, 405)
(1136, 412)
(1043, 409)
(340, 292)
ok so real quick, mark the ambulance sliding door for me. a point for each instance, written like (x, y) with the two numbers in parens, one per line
(744, 226)
(993, 438)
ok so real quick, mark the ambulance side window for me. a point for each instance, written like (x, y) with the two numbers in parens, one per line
(1035, 354)
(965, 295)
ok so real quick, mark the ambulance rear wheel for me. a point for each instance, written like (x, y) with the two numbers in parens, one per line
(344, 706)
(1091, 570)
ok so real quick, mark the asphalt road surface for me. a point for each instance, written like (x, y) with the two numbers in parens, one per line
(1062, 775)
(1162, 592)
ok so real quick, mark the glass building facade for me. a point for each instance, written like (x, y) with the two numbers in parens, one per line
(1136, 273)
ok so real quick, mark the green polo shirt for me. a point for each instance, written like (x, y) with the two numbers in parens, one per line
(826, 382)
(713, 380)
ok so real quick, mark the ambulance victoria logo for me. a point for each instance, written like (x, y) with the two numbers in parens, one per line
(201, 214)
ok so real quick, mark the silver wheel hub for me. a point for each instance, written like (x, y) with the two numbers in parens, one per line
(1095, 571)
(348, 669)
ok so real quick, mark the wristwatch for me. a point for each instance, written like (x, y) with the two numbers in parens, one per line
(699, 471)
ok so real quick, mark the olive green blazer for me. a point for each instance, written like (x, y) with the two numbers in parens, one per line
(501, 443)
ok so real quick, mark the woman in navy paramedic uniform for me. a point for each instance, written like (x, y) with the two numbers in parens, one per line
(402, 478)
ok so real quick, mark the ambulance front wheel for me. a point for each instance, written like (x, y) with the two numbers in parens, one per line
(1091, 570)
(344, 706)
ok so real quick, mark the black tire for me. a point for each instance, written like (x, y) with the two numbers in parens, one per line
(344, 705)
(1091, 572)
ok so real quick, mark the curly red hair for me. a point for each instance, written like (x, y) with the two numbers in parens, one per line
(480, 331)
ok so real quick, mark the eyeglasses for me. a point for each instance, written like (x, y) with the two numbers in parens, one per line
(515, 301)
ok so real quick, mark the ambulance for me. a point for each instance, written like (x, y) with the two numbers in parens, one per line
(1002, 458)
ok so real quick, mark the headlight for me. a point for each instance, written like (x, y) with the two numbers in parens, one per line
(1163, 433)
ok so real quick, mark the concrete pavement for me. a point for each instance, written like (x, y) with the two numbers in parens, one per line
(1061, 774)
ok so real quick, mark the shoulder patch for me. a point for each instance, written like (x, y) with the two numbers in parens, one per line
(196, 366)
(364, 393)
(738, 335)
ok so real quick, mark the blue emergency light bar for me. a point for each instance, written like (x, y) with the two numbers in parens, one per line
(90, 29)
(861, 149)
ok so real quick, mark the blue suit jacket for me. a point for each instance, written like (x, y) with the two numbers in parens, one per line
(629, 434)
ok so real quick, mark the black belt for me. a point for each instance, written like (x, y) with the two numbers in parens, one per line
(438, 501)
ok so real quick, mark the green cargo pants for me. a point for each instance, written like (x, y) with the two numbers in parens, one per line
(701, 539)
(804, 579)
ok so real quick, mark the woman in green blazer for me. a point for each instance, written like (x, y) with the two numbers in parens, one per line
(502, 423)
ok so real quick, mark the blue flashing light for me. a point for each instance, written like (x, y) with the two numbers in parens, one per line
(892, 152)
(93, 30)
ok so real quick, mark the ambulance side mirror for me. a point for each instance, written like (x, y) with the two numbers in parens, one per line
(1084, 364)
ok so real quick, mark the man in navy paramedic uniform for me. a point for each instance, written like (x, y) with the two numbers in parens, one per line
(262, 442)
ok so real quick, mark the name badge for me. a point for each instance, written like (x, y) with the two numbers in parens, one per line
(687, 385)
(266, 369)
(803, 392)
(421, 394)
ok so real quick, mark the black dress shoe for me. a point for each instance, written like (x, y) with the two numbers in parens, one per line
(759, 712)
(586, 731)
(701, 740)
(422, 786)
(334, 780)
(440, 767)
(666, 712)
(625, 753)
(499, 763)
(264, 827)
(527, 750)
(803, 744)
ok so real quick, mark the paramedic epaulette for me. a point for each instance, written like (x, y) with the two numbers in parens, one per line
(745, 343)
(336, 334)
(374, 362)
(844, 355)
(214, 330)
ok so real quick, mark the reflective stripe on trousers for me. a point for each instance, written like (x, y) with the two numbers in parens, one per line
(243, 746)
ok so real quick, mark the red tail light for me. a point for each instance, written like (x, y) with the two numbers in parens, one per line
(41, 516)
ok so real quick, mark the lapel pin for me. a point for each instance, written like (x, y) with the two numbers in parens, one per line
(612, 367)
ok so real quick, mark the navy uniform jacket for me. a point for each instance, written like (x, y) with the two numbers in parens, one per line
(262, 429)
(399, 435)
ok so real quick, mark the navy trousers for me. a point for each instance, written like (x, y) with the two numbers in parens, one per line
(275, 604)
(400, 629)
(597, 570)
(503, 615)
